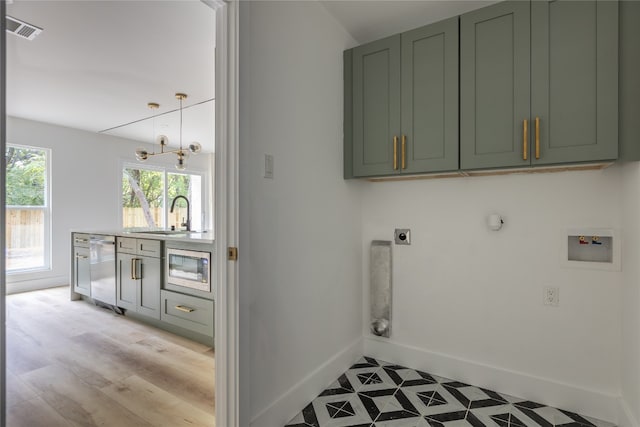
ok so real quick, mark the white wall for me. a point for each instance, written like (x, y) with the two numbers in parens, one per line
(630, 368)
(300, 257)
(85, 187)
(468, 299)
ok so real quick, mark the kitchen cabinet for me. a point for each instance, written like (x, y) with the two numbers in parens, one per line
(539, 84)
(401, 103)
(139, 275)
(188, 312)
(81, 264)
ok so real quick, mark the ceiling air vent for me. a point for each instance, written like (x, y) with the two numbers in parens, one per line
(22, 29)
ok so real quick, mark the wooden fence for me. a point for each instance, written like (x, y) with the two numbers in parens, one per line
(134, 217)
(25, 228)
(24, 238)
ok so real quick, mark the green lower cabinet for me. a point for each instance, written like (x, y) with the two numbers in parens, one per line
(401, 103)
(539, 84)
(81, 270)
(139, 278)
(189, 312)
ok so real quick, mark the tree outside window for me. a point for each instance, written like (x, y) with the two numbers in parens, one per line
(147, 194)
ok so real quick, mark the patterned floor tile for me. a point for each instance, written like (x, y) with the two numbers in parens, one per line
(455, 419)
(341, 386)
(369, 379)
(407, 377)
(546, 416)
(474, 397)
(353, 414)
(433, 399)
(375, 393)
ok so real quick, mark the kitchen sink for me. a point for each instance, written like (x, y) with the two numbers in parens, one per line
(166, 232)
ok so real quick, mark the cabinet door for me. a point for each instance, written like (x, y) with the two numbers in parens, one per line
(494, 86)
(430, 98)
(149, 287)
(574, 80)
(126, 283)
(376, 106)
(82, 271)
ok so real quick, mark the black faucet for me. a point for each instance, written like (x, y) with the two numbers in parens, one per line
(186, 223)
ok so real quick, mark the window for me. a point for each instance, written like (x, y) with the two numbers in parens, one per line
(147, 194)
(27, 209)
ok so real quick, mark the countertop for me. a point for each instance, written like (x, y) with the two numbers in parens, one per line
(174, 236)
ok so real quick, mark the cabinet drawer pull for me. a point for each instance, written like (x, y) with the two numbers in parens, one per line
(404, 151)
(395, 152)
(81, 240)
(185, 309)
(81, 256)
(134, 269)
(537, 138)
(525, 132)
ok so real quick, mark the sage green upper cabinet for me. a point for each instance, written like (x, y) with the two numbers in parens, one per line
(376, 106)
(401, 103)
(494, 85)
(574, 80)
(429, 140)
(539, 83)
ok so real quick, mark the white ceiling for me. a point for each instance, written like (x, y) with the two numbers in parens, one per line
(368, 20)
(97, 64)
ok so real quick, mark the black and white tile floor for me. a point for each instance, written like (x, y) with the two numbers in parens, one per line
(373, 393)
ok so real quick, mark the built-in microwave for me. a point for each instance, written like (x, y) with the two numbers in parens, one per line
(190, 269)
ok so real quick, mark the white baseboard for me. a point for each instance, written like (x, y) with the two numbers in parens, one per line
(625, 416)
(297, 397)
(591, 403)
(16, 286)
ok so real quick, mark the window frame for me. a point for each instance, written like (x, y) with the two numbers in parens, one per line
(47, 211)
(165, 212)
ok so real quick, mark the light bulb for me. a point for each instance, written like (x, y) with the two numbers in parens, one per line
(195, 147)
(180, 164)
(141, 154)
(162, 139)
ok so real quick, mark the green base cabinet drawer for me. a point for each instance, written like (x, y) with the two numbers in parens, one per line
(192, 313)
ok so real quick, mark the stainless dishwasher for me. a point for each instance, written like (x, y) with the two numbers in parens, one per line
(103, 268)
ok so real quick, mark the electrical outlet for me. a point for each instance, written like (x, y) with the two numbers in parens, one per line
(551, 296)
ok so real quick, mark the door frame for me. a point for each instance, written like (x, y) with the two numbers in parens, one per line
(3, 173)
(226, 211)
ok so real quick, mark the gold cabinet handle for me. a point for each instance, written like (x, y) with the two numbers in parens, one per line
(133, 269)
(81, 240)
(537, 138)
(404, 151)
(81, 256)
(525, 133)
(395, 152)
(185, 309)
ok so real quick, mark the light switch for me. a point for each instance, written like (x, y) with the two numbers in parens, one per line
(268, 166)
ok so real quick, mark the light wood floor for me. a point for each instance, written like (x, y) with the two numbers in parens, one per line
(70, 363)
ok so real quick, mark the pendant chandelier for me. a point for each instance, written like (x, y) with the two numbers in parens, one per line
(142, 154)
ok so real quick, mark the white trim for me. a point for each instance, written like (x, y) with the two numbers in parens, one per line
(625, 416)
(285, 407)
(36, 284)
(584, 401)
(226, 212)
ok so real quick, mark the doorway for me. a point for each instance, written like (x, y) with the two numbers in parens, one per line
(218, 185)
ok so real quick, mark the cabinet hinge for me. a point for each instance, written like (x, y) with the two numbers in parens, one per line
(232, 253)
